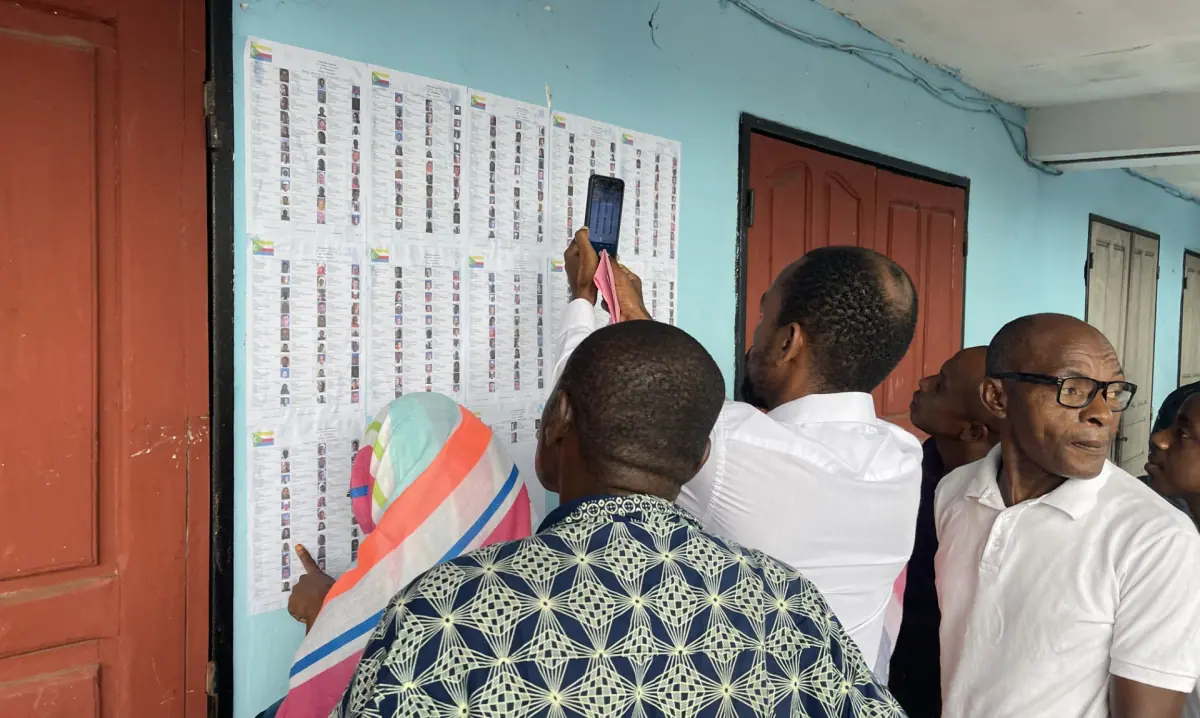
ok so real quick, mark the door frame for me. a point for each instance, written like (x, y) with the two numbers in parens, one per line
(750, 125)
(1182, 288)
(1087, 266)
(1115, 453)
(1087, 255)
(220, 134)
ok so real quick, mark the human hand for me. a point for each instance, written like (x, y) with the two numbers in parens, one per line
(581, 262)
(309, 592)
(629, 293)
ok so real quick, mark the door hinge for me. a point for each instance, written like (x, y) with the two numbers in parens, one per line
(749, 208)
(1185, 284)
(210, 679)
(212, 129)
(964, 245)
(1157, 271)
(1091, 260)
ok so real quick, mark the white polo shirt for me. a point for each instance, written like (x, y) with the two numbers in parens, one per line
(1042, 601)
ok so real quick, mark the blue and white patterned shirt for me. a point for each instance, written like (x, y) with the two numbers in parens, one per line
(618, 606)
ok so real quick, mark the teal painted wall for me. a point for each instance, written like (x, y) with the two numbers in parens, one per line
(1028, 232)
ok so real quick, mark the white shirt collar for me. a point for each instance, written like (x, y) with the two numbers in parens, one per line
(822, 408)
(1075, 497)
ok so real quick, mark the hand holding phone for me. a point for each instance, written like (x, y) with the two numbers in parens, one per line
(581, 261)
(605, 198)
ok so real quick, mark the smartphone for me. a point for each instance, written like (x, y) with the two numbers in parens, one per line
(604, 199)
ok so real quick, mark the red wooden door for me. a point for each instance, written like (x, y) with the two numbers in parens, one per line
(104, 460)
(920, 226)
(803, 199)
(806, 199)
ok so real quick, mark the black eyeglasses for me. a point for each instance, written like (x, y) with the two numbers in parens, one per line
(1076, 392)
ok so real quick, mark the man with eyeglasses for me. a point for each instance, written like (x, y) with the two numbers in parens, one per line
(1067, 587)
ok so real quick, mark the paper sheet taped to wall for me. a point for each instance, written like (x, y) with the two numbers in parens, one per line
(406, 235)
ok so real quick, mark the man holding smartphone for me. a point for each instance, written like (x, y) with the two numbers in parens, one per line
(803, 469)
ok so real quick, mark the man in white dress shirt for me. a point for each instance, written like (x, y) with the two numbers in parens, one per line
(818, 481)
(1068, 588)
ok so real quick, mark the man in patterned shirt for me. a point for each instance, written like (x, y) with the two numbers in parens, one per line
(620, 605)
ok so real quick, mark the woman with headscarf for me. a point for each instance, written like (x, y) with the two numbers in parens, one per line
(429, 483)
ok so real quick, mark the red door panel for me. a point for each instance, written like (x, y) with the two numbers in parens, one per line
(102, 201)
(803, 199)
(920, 226)
(53, 500)
(806, 199)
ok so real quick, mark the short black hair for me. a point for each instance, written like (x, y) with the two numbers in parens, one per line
(1169, 411)
(645, 395)
(858, 310)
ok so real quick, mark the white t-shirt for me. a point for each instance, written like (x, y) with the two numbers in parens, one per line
(1043, 600)
(819, 483)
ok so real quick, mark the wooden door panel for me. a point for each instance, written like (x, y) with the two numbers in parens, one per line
(943, 274)
(59, 683)
(44, 614)
(104, 214)
(49, 507)
(900, 237)
(803, 199)
(1108, 282)
(844, 215)
(920, 227)
(1138, 357)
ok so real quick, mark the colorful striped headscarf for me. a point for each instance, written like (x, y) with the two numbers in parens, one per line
(430, 483)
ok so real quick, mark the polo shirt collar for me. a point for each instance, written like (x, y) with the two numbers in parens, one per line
(1075, 497)
(821, 408)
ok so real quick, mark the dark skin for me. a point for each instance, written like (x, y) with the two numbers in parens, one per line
(581, 261)
(1044, 443)
(946, 406)
(308, 594)
(559, 464)
(562, 469)
(779, 365)
(1174, 462)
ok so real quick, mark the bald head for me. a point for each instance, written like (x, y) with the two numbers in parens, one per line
(1027, 362)
(1042, 340)
(946, 405)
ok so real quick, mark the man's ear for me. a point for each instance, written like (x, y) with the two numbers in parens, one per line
(791, 343)
(704, 459)
(559, 419)
(995, 399)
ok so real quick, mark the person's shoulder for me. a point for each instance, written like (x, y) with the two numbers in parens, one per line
(734, 413)
(771, 570)
(1130, 502)
(905, 441)
(449, 575)
(740, 421)
(954, 485)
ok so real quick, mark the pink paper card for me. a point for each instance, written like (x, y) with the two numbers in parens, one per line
(608, 288)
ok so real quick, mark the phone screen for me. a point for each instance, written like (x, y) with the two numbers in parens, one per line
(605, 196)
